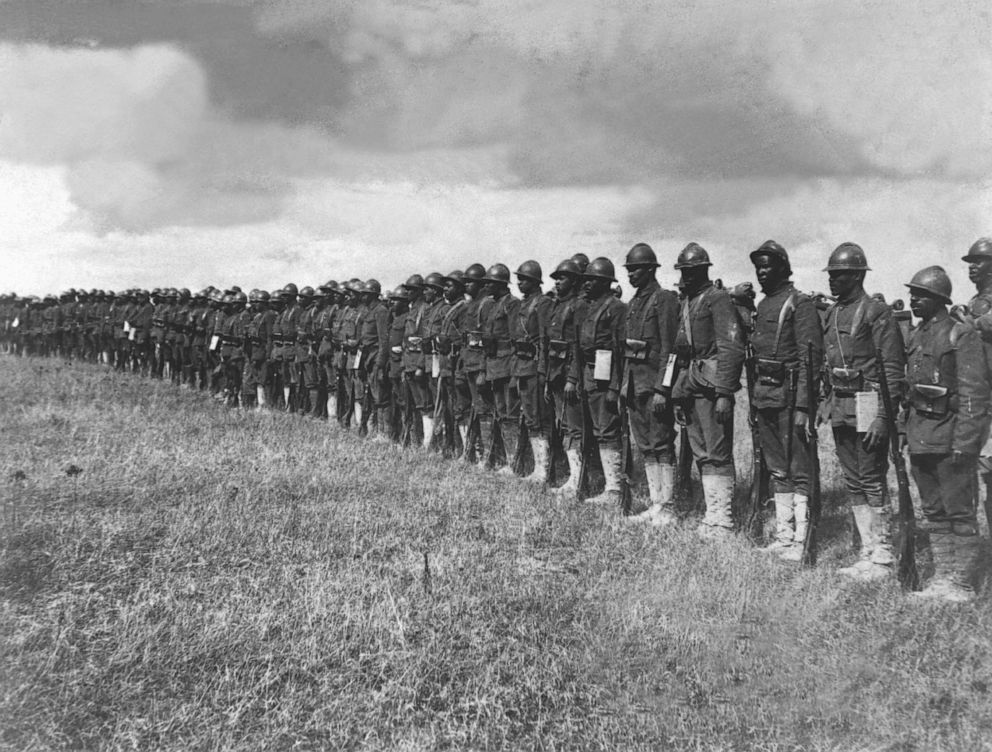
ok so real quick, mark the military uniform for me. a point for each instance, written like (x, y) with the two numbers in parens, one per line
(529, 368)
(499, 353)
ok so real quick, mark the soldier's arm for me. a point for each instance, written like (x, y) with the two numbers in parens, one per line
(618, 327)
(973, 391)
(730, 344)
(668, 329)
(543, 314)
(382, 335)
(888, 339)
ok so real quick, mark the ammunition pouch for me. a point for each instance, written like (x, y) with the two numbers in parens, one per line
(524, 349)
(427, 346)
(558, 349)
(396, 350)
(846, 382)
(930, 400)
(702, 373)
(636, 350)
(770, 372)
(475, 341)
(414, 344)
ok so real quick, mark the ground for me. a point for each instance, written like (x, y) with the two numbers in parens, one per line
(213, 579)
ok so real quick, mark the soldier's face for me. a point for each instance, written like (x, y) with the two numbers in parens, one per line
(526, 285)
(564, 284)
(980, 270)
(638, 276)
(922, 305)
(430, 294)
(452, 291)
(594, 288)
(769, 271)
(844, 281)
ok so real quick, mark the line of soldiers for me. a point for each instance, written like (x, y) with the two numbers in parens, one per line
(577, 378)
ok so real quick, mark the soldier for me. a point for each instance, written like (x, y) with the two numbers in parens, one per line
(435, 308)
(323, 326)
(979, 314)
(563, 322)
(710, 355)
(784, 323)
(948, 389)
(400, 299)
(473, 354)
(373, 372)
(284, 352)
(651, 325)
(257, 371)
(529, 365)
(413, 352)
(449, 341)
(308, 383)
(856, 325)
(600, 342)
(499, 352)
(346, 343)
(141, 327)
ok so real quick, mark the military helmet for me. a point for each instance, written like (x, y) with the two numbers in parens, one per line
(253, 295)
(184, 294)
(435, 280)
(456, 277)
(414, 281)
(566, 267)
(352, 285)
(373, 286)
(239, 297)
(306, 292)
(531, 270)
(933, 280)
(640, 255)
(691, 256)
(475, 272)
(847, 257)
(601, 268)
(329, 286)
(980, 249)
(582, 260)
(770, 248)
(400, 293)
(498, 273)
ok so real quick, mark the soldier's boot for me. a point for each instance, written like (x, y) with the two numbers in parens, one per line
(571, 486)
(661, 492)
(784, 518)
(511, 435)
(381, 433)
(261, 399)
(882, 559)
(359, 413)
(718, 492)
(428, 425)
(611, 495)
(541, 449)
(314, 403)
(801, 512)
(463, 434)
(956, 551)
(862, 521)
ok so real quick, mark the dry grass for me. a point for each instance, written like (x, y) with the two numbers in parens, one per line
(220, 580)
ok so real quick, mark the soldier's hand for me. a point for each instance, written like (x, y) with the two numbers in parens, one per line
(419, 373)
(612, 395)
(480, 380)
(680, 415)
(659, 403)
(875, 435)
(571, 393)
(801, 422)
(903, 442)
(724, 410)
(823, 413)
(547, 392)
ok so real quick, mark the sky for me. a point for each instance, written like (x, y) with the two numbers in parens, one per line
(187, 143)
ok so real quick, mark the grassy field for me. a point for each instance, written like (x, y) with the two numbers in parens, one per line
(213, 579)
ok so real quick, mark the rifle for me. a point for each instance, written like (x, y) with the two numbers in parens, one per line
(809, 541)
(409, 414)
(759, 470)
(473, 437)
(523, 440)
(627, 471)
(589, 448)
(683, 469)
(555, 450)
(496, 456)
(907, 573)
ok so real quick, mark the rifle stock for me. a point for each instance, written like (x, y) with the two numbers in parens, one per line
(627, 471)
(759, 469)
(588, 446)
(906, 571)
(808, 557)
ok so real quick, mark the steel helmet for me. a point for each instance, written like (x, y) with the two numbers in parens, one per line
(373, 286)
(848, 257)
(692, 255)
(640, 255)
(239, 297)
(456, 277)
(399, 293)
(306, 292)
(601, 268)
(330, 286)
(415, 281)
(498, 273)
(475, 272)
(566, 267)
(263, 296)
(291, 289)
(435, 280)
(773, 249)
(581, 260)
(932, 280)
(980, 249)
(531, 270)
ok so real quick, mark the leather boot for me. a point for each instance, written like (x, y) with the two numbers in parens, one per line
(718, 491)
(571, 486)
(428, 422)
(801, 512)
(511, 435)
(862, 520)
(610, 458)
(955, 557)
(542, 451)
(661, 488)
(784, 518)
(261, 398)
(314, 403)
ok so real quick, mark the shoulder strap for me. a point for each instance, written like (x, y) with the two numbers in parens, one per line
(788, 305)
